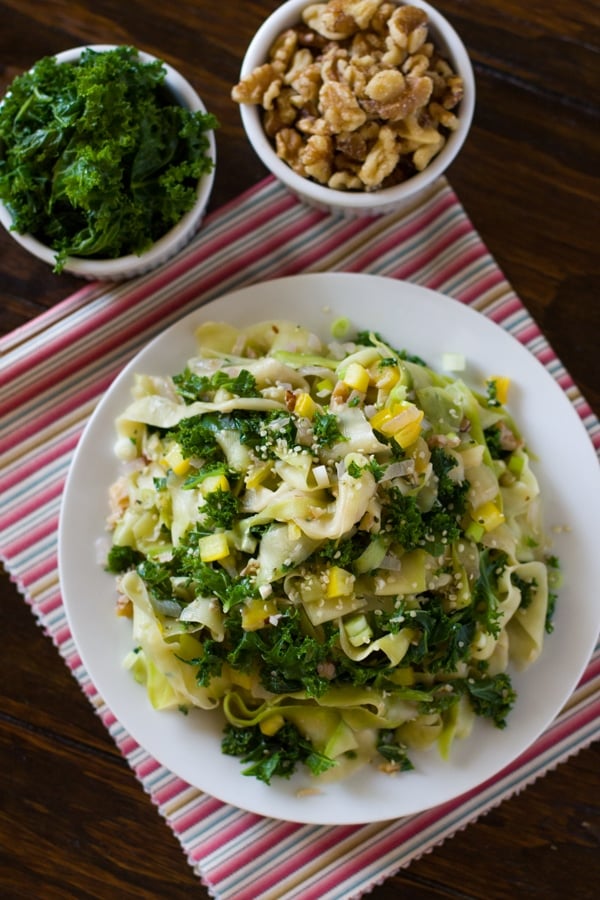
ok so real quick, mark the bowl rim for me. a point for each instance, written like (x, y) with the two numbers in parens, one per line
(123, 266)
(446, 37)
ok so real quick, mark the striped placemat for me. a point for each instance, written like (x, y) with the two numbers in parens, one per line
(54, 369)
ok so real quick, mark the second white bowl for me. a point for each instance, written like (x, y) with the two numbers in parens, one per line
(373, 202)
(170, 243)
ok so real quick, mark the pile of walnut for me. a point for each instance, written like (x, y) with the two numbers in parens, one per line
(356, 97)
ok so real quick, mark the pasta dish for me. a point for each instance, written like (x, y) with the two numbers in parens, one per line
(338, 546)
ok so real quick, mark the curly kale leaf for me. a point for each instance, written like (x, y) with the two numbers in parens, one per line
(392, 750)
(452, 495)
(493, 436)
(342, 552)
(372, 338)
(97, 158)
(326, 429)
(412, 528)
(438, 526)
(122, 558)
(269, 756)
(492, 697)
(287, 659)
(220, 509)
(197, 436)
(485, 590)
(527, 589)
(443, 639)
(191, 386)
(208, 579)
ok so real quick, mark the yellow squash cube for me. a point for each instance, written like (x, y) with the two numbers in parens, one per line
(305, 405)
(174, 460)
(488, 515)
(357, 377)
(213, 547)
(502, 383)
(214, 483)
(340, 582)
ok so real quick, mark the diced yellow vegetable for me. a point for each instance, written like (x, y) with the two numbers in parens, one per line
(387, 377)
(305, 405)
(174, 460)
(409, 433)
(323, 387)
(502, 383)
(489, 515)
(213, 547)
(256, 612)
(214, 483)
(379, 419)
(340, 582)
(270, 725)
(392, 420)
(356, 377)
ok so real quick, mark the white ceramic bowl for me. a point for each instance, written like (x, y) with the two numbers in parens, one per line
(375, 202)
(167, 246)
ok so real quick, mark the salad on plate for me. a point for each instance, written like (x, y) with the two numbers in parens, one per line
(338, 546)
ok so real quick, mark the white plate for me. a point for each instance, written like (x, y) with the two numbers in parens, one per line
(423, 322)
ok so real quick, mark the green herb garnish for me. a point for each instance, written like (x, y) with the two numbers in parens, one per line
(97, 159)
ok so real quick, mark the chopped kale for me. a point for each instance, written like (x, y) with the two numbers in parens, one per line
(368, 338)
(220, 509)
(122, 558)
(344, 551)
(443, 639)
(392, 750)
(492, 436)
(526, 588)
(269, 756)
(434, 529)
(191, 386)
(287, 659)
(197, 437)
(452, 494)
(485, 591)
(492, 697)
(326, 429)
(97, 160)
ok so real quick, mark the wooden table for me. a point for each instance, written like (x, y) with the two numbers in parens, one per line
(74, 821)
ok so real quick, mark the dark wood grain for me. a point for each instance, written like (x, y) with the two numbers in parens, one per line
(74, 821)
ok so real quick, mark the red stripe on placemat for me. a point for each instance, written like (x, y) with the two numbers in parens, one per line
(280, 831)
(30, 465)
(55, 413)
(46, 528)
